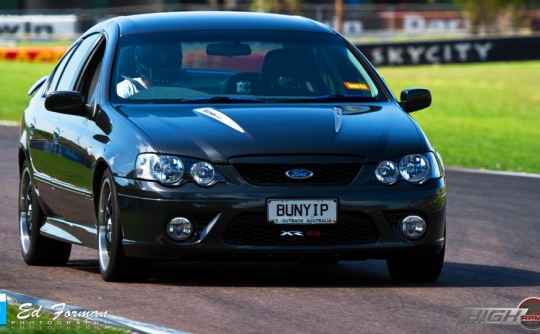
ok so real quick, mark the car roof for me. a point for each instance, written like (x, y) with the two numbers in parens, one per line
(217, 20)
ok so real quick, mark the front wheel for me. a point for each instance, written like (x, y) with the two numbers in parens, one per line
(36, 249)
(421, 269)
(114, 265)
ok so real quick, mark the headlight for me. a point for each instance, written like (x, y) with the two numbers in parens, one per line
(171, 170)
(413, 168)
(203, 174)
(166, 169)
(387, 172)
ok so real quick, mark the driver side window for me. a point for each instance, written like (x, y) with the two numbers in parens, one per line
(55, 76)
(69, 76)
(89, 78)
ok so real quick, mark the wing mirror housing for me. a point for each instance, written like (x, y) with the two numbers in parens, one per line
(413, 99)
(66, 102)
(37, 84)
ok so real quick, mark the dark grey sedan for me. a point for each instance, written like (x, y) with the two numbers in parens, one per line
(214, 135)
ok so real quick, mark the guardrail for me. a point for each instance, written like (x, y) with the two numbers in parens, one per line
(30, 54)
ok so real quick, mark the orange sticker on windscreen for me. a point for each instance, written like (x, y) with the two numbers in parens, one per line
(356, 85)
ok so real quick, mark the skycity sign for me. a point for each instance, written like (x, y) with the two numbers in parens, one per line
(445, 52)
(433, 54)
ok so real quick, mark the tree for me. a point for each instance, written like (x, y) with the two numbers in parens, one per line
(275, 6)
(491, 16)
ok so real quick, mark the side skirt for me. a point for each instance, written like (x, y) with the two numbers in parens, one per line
(59, 229)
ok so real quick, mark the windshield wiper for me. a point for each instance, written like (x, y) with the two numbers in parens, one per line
(333, 98)
(222, 99)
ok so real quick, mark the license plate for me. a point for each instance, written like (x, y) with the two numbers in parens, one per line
(302, 212)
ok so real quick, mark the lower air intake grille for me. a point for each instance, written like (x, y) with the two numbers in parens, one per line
(254, 230)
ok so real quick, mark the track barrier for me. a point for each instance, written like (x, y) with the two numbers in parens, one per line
(387, 54)
(453, 51)
(32, 54)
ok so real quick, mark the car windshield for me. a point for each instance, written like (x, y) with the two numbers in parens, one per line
(239, 67)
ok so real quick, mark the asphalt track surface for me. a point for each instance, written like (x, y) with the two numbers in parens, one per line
(493, 260)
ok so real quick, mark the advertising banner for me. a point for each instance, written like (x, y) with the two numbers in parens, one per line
(38, 26)
(453, 51)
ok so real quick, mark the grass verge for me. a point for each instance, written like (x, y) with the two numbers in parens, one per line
(482, 115)
(16, 79)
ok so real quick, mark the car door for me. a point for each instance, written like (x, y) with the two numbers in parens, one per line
(59, 152)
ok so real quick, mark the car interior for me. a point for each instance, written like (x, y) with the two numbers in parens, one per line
(286, 71)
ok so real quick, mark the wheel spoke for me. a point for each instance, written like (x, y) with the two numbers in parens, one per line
(105, 227)
(29, 219)
(25, 212)
(108, 206)
(109, 232)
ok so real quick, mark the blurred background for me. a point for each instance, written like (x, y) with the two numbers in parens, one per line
(359, 20)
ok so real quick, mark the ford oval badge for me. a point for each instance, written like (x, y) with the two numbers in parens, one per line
(299, 174)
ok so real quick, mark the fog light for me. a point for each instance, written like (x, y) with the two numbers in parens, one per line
(413, 227)
(179, 229)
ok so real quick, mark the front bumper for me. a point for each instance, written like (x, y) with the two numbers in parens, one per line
(222, 212)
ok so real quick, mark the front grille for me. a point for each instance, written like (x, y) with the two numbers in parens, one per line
(253, 230)
(270, 174)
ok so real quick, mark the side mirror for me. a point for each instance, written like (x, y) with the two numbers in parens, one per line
(413, 99)
(66, 102)
(37, 84)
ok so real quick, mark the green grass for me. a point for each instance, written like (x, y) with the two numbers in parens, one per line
(16, 79)
(53, 43)
(482, 116)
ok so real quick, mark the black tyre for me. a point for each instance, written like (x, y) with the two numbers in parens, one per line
(36, 249)
(114, 265)
(420, 269)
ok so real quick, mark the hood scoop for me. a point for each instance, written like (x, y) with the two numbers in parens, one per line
(338, 114)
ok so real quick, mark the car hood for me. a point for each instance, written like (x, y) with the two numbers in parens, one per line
(219, 133)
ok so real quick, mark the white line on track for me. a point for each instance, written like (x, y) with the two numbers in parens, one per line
(492, 172)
